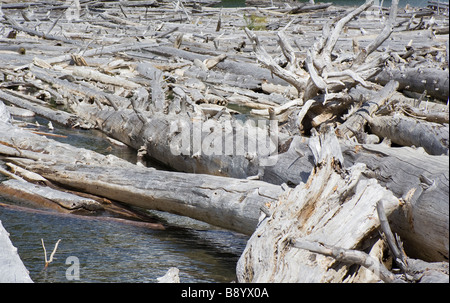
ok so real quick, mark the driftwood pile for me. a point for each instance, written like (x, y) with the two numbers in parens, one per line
(304, 126)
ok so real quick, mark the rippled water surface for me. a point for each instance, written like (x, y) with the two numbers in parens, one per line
(114, 252)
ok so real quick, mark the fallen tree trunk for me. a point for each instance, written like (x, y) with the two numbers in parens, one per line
(61, 117)
(225, 202)
(223, 147)
(47, 196)
(421, 182)
(228, 203)
(405, 131)
(434, 81)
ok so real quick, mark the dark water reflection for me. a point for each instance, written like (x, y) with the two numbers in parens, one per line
(114, 252)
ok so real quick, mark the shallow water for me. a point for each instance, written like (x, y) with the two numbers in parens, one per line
(112, 252)
(116, 252)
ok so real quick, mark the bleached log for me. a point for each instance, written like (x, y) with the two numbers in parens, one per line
(73, 90)
(226, 202)
(13, 269)
(421, 181)
(91, 74)
(407, 131)
(34, 192)
(238, 68)
(334, 207)
(356, 121)
(189, 145)
(49, 113)
(13, 23)
(434, 81)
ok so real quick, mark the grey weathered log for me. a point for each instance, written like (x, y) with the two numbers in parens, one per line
(434, 81)
(52, 114)
(33, 32)
(356, 121)
(12, 268)
(407, 131)
(226, 202)
(184, 144)
(421, 181)
(65, 200)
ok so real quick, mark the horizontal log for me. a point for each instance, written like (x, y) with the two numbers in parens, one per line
(33, 191)
(434, 81)
(59, 116)
(406, 131)
(225, 202)
(232, 204)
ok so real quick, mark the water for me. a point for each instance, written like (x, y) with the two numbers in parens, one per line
(112, 252)
(116, 252)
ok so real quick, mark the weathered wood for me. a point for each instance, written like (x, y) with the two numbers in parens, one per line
(434, 81)
(169, 88)
(422, 221)
(184, 144)
(406, 131)
(32, 192)
(51, 114)
(334, 207)
(13, 269)
(421, 181)
(229, 203)
(356, 122)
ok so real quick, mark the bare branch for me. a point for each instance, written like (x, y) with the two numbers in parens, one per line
(347, 256)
